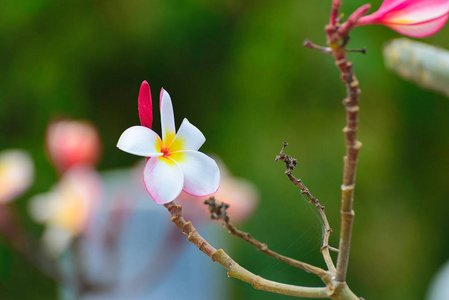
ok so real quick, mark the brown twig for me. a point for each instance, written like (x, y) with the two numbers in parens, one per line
(218, 212)
(290, 164)
(236, 271)
(308, 44)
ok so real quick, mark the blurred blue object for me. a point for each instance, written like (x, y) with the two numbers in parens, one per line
(439, 288)
(133, 251)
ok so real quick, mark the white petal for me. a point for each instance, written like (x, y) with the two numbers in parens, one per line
(188, 137)
(16, 174)
(163, 179)
(140, 140)
(167, 117)
(201, 173)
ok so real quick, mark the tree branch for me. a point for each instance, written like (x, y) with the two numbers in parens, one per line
(234, 269)
(353, 146)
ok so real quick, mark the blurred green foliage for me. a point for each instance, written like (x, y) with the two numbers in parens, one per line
(238, 71)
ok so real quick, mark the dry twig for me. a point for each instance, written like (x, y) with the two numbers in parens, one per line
(218, 212)
(290, 164)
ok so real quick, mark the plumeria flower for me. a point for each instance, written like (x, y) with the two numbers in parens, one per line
(71, 143)
(415, 18)
(68, 208)
(16, 174)
(174, 164)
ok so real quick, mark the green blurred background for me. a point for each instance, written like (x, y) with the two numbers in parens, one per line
(238, 71)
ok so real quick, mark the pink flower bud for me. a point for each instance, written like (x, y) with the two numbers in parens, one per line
(145, 105)
(353, 19)
(415, 18)
(72, 143)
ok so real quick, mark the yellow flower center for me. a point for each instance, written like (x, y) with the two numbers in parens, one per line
(170, 145)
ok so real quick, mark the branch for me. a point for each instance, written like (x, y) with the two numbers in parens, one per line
(308, 44)
(290, 164)
(353, 146)
(218, 212)
(234, 269)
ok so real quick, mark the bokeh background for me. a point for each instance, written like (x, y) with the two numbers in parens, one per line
(238, 71)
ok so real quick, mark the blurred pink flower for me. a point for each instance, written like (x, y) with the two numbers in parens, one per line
(68, 207)
(239, 193)
(72, 143)
(415, 18)
(174, 164)
(16, 174)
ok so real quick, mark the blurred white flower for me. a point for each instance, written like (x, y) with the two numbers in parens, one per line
(67, 208)
(16, 174)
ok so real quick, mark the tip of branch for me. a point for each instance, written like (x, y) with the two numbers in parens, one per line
(307, 43)
(289, 161)
(363, 50)
(217, 209)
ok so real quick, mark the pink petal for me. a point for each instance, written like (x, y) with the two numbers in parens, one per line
(241, 195)
(406, 12)
(201, 173)
(145, 105)
(163, 179)
(167, 118)
(420, 10)
(139, 140)
(388, 4)
(188, 137)
(420, 30)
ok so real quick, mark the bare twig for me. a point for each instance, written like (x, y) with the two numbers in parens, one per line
(362, 50)
(308, 44)
(290, 164)
(235, 270)
(218, 212)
